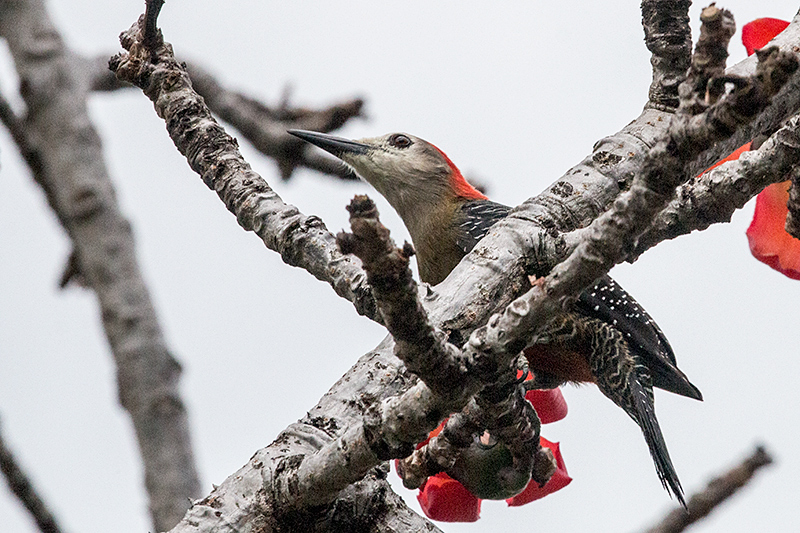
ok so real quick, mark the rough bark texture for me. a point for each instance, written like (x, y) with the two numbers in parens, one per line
(714, 196)
(75, 179)
(793, 216)
(302, 240)
(669, 38)
(525, 242)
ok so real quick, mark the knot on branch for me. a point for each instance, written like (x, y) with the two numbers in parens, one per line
(371, 242)
(145, 48)
(708, 61)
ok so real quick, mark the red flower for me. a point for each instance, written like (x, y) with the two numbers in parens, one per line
(757, 34)
(444, 499)
(559, 480)
(733, 157)
(549, 404)
(769, 242)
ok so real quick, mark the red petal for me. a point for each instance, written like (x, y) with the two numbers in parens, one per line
(444, 499)
(735, 155)
(769, 242)
(757, 34)
(550, 404)
(559, 480)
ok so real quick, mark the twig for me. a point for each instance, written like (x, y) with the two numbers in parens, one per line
(716, 492)
(22, 487)
(257, 122)
(152, 37)
(424, 350)
(669, 38)
(266, 128)
(708, 60)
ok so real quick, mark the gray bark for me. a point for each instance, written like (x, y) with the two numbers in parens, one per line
(528, 241)
(77, 184)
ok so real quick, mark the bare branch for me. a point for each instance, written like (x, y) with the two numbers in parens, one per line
(73, 174)
(784, 105)
(424, 350)
(605, 241)
(266, 128)
(669, 38)
(302, 240)
(257, 122)
(312, 459)
(714, 196)
(708, 60)
(152, 37)
(500, 407)
(22, 487)
(718, 490)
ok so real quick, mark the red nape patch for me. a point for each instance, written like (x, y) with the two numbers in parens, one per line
(460, 185)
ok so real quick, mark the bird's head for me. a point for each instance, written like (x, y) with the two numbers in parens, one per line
(409, 172)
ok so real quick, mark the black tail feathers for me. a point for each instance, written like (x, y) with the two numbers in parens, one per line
(645, 416)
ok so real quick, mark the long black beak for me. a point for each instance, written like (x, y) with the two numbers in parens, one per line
(338, 146)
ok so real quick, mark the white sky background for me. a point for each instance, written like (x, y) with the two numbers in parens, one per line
(515, 93)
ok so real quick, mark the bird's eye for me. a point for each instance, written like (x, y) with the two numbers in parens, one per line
(398, 140)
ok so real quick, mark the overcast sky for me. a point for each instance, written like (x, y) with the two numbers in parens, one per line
(516, 93)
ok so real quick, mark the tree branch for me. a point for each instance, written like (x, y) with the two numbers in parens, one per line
(500, 407)
(669, 38)
(331, 439)
(73, 175)
(22, 487)
(266, 128)
(425, 351)
(302, 240)
(718, 490)
(714, 196)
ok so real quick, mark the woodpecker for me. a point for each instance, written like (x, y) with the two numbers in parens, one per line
(607, 338)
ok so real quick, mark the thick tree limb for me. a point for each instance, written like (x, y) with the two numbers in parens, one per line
(714, 196)
(22, 487)
(716, 492)
(669, 38)
(76, 183)
(607, 240)
(460, 304)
